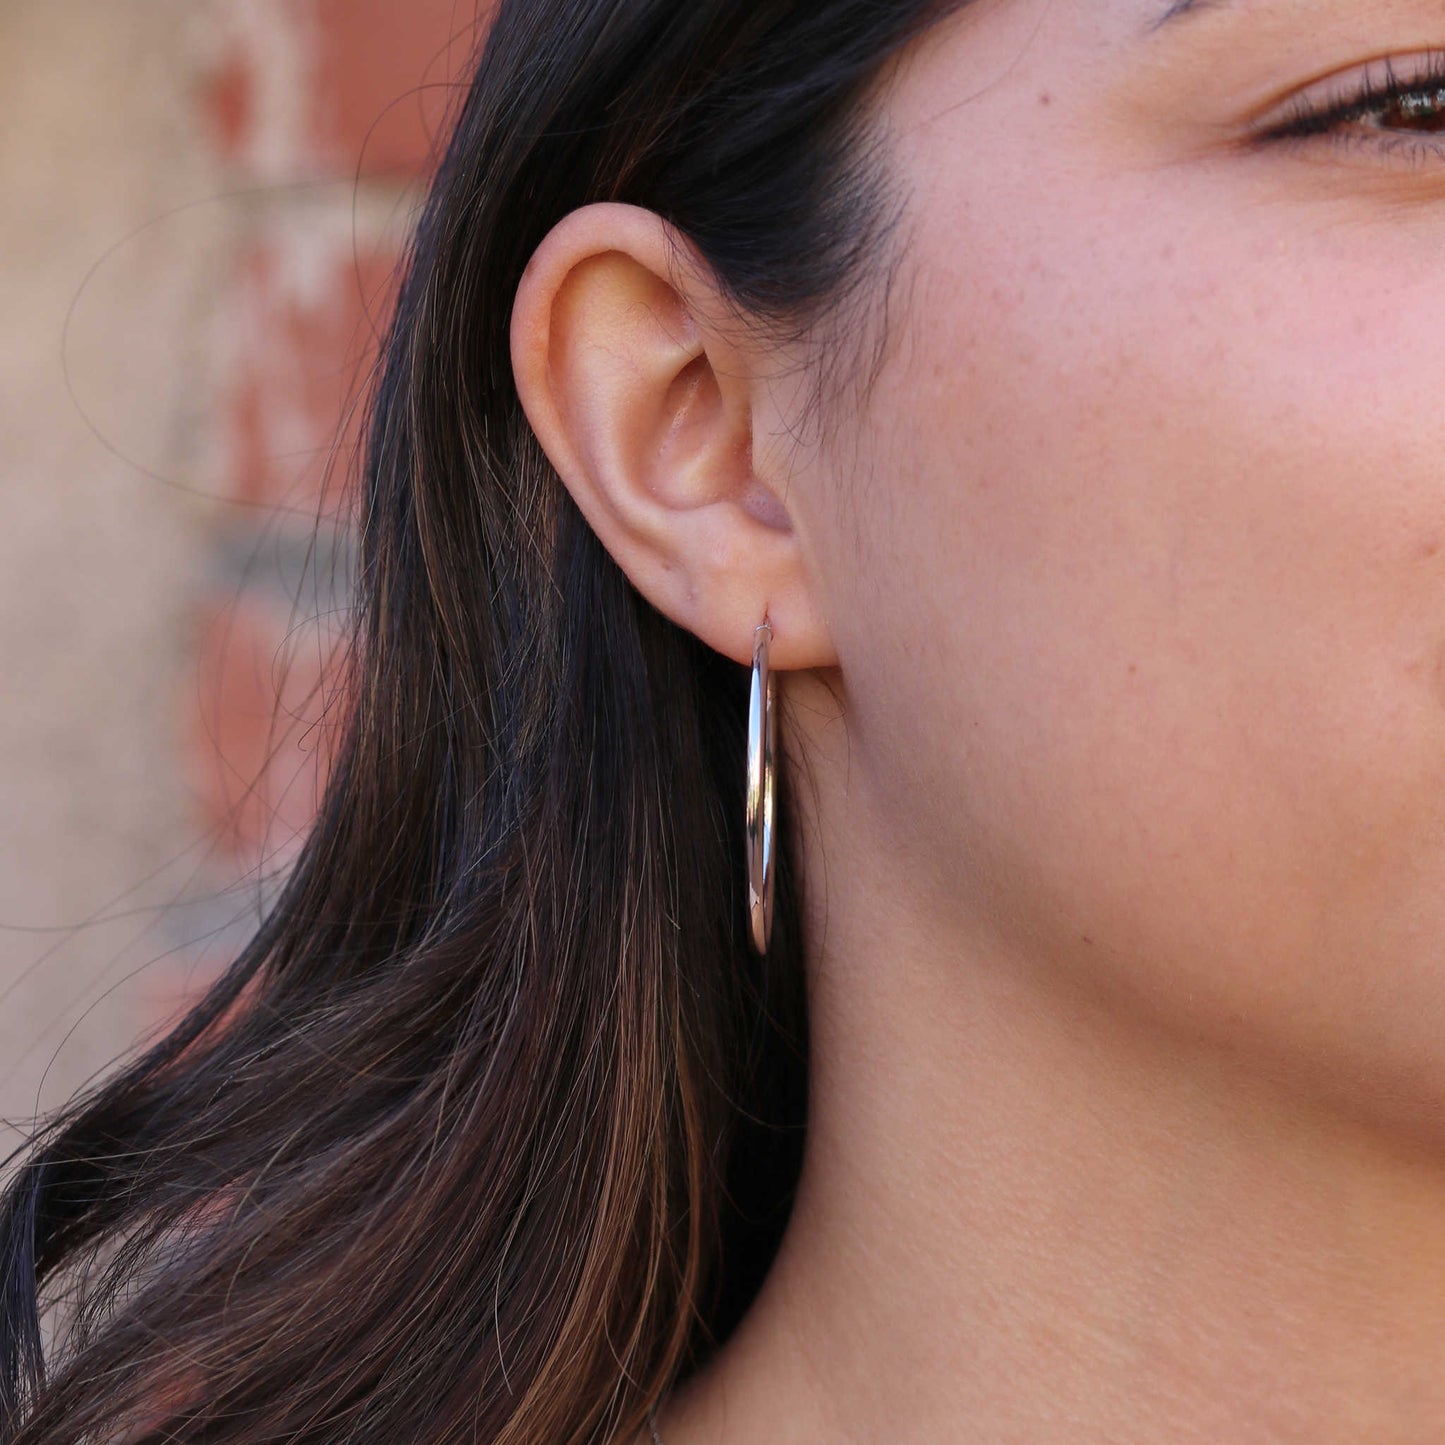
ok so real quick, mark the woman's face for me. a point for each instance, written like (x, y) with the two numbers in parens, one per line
(1136, 559)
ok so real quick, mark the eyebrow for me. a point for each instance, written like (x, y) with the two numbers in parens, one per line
(1176, 8)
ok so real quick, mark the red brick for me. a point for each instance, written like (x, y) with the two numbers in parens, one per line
(230, 103)
(386, 75)
(340, 88)
(261, 725)
(307, 331)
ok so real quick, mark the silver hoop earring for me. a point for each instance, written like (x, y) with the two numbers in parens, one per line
(762, 743)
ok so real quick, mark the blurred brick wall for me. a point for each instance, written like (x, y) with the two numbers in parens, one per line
(333, 110)
(203, 212)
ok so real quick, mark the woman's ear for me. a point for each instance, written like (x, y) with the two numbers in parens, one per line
(645, 407)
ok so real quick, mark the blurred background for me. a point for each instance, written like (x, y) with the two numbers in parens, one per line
(202, 205)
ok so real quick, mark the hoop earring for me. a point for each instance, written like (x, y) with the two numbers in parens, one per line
(762, 744)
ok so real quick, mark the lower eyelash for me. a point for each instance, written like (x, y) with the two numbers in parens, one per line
(1410, 149)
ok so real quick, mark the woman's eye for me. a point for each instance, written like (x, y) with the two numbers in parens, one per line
(1399, 114)
(1415, 110)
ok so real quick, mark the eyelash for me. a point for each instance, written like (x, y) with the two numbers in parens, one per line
(1311, 119)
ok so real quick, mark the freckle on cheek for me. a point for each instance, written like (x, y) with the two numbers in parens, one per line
(1045, 98)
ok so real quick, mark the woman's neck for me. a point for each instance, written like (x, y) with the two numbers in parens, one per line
(1024, 1218)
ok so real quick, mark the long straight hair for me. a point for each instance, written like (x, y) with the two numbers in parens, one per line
(492, 1131)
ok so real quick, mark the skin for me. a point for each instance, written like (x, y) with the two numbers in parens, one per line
(1112, 630)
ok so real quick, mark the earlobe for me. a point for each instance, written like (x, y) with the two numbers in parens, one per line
(629, 369)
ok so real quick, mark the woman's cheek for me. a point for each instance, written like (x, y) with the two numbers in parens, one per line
(1181, 688)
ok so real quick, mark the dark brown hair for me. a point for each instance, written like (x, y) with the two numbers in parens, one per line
(491, 1132)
